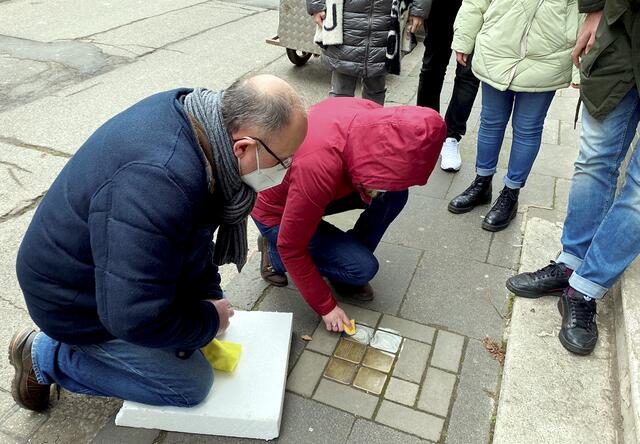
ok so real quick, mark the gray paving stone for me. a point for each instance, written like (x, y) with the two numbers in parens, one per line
(76, 418)
(304, 318)
(397, 265)
(303, 421)
(448, 351)
(371, 433)
(22, 423)
(562, 107)
(568, 135)
(474, 405)
(346, 398)
(361, 315)
(426, 224)
(562, 194)
(408, 329)
(506, 245)
(245, 288)
(403, 392)
(6, 403)
(6, 439)
(437, 186)
(305, 375)
(437, 391)
(473, 305)
(112, 434)
(411, 421)
(323, 341)
(555, 160)
(412, 360)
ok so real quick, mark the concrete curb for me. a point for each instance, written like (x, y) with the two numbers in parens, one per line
(628, 347)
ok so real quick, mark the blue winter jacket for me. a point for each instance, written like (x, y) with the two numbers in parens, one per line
(120, 246)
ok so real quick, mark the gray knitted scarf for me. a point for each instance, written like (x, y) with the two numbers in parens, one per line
(231, 241)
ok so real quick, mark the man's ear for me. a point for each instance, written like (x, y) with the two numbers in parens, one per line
(240, 147)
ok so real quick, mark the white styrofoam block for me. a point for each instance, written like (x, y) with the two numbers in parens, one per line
(246, 403)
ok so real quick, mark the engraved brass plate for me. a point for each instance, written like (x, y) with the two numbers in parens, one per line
(378, 360)
(370, 380)
(340, 371)
(350, 351)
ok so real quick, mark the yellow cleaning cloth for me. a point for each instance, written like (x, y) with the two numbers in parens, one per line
(223, 356)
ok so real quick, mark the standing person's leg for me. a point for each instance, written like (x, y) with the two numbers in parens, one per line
(465, 89)
(437, 52)
(115, 368)
(529, 112)
(603, 147)
(615, 244)
(374, 88)
(342, 85)
(496, 110)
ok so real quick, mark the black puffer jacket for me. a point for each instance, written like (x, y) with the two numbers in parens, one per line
(366, 24)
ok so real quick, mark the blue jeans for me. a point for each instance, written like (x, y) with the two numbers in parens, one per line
(601, 234)
(123, 370)
(529, 111)
(346, 257)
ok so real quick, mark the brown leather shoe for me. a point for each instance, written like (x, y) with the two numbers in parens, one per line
(25, 388)
(360, 293)
(266, 269)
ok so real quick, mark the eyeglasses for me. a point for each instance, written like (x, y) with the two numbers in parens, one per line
(286, 163)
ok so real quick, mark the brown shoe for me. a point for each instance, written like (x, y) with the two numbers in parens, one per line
(360, 293)
(25, 388)
(266, 269)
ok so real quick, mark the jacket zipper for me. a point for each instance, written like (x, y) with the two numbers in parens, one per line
(366, 51)
(523, 41)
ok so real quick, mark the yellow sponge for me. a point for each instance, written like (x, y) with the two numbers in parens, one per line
(223, 356)
(350, 330)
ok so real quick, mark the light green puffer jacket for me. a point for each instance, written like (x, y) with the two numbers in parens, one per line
(520, 45)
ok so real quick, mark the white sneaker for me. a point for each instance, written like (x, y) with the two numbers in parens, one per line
(451, 160)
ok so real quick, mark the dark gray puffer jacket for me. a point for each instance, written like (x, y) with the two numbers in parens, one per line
(366, 24)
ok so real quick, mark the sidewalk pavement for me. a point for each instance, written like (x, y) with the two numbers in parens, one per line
(441, 280)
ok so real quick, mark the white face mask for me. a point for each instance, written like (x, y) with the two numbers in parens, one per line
(262, 179)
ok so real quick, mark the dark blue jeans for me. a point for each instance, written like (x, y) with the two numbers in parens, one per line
(123, 370)
(346, 257)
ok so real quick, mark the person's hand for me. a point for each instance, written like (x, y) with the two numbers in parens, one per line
(414, 23)
(225, 311)
(336, 319)
(318, 17)
(586, 36)
(461, 58)
(575, 85)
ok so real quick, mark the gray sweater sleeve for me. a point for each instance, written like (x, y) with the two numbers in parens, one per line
(419, 8)
(315, 6)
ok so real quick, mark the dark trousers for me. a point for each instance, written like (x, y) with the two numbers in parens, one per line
(437, 52)
(346, 257)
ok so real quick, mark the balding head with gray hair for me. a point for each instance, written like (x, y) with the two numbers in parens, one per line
(264, 103)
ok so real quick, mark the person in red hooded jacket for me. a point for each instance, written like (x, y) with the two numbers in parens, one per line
(357, 154)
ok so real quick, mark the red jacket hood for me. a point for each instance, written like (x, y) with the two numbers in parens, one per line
(393, 148)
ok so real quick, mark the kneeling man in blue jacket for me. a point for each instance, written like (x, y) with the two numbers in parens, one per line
(118, 267)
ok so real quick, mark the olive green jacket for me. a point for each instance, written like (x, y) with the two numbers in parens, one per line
(612, 67)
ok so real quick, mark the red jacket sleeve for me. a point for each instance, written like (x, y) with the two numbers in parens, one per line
(312, 187)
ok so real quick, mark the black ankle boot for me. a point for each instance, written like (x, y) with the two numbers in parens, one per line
(478, 193)
(579, 332)
(502, 211)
